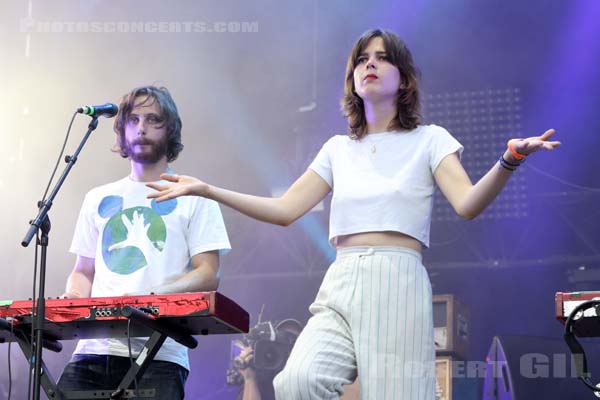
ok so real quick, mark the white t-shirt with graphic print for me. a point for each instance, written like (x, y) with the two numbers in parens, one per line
(138, 244)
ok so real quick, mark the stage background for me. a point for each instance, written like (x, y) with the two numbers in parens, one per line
(258, 87)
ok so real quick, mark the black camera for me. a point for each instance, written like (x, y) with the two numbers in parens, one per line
(271, 346)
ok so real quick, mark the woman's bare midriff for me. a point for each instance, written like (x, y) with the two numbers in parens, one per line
(387, 238)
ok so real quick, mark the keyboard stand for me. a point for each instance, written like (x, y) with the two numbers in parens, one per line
(161, 330)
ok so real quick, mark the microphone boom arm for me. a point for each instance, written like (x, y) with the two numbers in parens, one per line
(45, 205)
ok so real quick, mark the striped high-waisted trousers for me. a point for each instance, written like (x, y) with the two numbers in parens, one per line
(373, 318)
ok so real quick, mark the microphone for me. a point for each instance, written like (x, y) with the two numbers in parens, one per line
(108, 110)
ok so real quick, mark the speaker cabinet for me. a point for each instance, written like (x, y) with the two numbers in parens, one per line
(451, 381)
(451, 326)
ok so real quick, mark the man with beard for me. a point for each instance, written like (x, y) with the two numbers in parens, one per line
(127, 244)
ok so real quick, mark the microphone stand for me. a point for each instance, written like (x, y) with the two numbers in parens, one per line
(42, 222)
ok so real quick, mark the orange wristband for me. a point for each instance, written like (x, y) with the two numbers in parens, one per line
(515, 154)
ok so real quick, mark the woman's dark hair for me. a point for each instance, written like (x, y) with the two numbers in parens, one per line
(408, 106)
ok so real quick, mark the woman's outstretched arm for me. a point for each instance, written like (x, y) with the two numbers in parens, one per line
(470, 200)
(300, 198)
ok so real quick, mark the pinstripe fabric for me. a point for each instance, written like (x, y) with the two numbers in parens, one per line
(372, 317)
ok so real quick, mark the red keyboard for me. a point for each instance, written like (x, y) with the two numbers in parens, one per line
(201, 313)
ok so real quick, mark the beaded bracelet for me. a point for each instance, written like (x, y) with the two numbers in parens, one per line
(506, 164)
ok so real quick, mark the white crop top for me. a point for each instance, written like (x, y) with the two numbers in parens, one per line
(384, 181)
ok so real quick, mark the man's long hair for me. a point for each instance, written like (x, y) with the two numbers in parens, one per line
(168, 113)
(408, 106)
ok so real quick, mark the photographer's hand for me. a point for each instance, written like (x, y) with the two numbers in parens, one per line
(245, 358)
(251, 391)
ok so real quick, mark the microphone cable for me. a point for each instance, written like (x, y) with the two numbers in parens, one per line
(62, 151)
(31, 361)
(12, 333)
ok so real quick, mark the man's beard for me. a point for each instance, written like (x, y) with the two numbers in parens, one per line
(157, 150)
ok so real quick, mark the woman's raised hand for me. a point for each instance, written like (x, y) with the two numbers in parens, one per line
(181, 185)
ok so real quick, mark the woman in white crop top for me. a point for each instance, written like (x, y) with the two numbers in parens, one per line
(372, 316)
